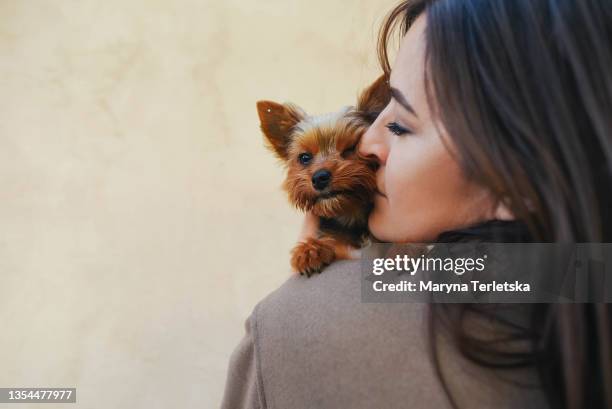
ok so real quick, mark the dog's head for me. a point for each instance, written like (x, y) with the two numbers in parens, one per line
(325, 172)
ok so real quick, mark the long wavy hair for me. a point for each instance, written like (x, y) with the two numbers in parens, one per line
(525, 89)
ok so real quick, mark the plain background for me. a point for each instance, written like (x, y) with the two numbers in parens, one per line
(141, 218)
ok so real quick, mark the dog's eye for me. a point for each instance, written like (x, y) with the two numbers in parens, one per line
(305, 158)
(349, 151)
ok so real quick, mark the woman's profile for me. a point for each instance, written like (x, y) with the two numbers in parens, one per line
(499, 129)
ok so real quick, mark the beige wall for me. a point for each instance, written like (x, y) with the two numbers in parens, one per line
(141, 219)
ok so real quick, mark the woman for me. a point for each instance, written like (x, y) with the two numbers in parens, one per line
(499, 129)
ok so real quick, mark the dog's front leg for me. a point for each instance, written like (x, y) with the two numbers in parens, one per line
(313, 254)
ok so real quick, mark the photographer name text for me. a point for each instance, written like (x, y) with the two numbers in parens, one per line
(455, 266)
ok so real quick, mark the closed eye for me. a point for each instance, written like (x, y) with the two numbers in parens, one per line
(397, 129)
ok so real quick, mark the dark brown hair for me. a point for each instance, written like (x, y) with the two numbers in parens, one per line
(524, 88)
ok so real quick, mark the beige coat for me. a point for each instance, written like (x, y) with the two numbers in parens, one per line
(312, 343)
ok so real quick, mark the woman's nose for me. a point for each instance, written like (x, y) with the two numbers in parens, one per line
(374, 142)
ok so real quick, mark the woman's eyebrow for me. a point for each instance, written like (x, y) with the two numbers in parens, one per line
(399, 97)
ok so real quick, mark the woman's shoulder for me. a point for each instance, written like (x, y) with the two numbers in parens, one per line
(318, 345)
(318, 342)
(332, 297)
(325, 314)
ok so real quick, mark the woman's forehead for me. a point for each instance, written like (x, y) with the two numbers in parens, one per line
(407, 74)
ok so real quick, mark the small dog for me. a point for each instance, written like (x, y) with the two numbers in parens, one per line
(325, 173)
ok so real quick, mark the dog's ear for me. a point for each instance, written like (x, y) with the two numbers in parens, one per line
(374, 98)
(277, 122)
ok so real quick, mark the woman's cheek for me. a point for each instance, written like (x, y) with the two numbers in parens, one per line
(383, 221)
(378, 218)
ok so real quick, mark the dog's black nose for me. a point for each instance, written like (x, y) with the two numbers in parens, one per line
(321, 179)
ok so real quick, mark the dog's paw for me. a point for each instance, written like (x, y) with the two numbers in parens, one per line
(311, 256)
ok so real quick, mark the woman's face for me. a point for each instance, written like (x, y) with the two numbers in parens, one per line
(422, 191)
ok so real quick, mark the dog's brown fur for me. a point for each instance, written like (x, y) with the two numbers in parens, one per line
(331, 140)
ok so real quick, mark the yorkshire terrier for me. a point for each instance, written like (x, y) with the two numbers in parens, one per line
(326, 175)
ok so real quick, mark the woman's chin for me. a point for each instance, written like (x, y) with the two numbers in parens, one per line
(387, 231)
